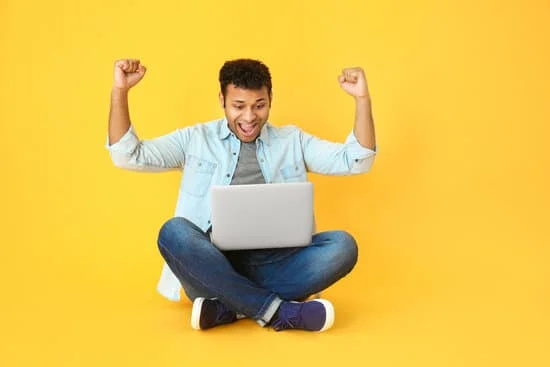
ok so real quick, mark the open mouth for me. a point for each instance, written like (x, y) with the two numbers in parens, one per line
(248, 130)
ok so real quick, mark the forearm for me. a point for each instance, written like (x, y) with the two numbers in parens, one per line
(364, 124)
(119, 115)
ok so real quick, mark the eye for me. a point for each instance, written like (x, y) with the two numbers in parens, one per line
(239, 107)
(260, 106)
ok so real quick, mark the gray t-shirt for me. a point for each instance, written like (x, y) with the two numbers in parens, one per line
(248, 169)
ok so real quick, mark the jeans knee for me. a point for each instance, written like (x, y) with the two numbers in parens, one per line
(349, 251)
(172, 234)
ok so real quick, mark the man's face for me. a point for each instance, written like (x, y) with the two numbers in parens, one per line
(246, 111)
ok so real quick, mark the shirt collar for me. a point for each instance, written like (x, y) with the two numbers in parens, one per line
(224, 131)
(264, 134)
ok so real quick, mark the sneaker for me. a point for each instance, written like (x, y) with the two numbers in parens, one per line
(208, 313)
(315, 315)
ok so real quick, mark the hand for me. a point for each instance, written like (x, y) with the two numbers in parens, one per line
(354, 82)
(128, 72)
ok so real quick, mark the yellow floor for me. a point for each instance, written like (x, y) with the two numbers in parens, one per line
(411, 317)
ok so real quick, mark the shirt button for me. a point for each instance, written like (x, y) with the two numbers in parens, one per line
(228, 175)
(208, 222)
(234, 153)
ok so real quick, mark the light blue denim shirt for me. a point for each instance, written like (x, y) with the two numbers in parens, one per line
(208, 153)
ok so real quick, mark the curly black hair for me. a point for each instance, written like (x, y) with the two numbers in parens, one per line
(245, 73)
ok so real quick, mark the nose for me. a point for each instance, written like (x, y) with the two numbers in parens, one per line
(249, 115)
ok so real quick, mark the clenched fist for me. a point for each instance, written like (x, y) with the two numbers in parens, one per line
(128, 72)
(354, 82)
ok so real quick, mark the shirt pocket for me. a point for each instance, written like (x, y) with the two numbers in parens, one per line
(294, 173)
(197, 175)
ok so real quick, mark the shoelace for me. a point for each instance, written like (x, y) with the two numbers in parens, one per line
(287, 318)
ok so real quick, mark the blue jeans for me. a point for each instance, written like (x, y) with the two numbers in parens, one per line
(254, 282)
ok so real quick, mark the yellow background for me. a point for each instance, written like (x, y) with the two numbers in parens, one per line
(452, 221)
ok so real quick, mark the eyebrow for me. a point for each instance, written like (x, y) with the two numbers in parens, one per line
(242, 101)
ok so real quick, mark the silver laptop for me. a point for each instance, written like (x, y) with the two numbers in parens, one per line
(262, 216)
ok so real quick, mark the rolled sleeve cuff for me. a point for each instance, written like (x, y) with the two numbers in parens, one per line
(126, 144)
(356, 150)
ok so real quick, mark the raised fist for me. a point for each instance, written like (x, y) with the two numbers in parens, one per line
(128, 72)
(354, 82)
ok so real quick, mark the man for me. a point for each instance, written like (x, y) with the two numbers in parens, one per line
(269, 285)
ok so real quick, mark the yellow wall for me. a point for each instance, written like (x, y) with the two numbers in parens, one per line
(452, 221)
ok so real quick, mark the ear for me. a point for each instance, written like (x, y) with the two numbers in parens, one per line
(222, 101)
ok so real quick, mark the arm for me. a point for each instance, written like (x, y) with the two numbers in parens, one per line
(119, 115)
(336, 159)
(354, 82)
(364, 125)
(358, 152)
(127, 74)
(127, 150)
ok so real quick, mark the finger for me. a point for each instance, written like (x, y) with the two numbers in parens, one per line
(133, 66)
(128, 65)
(351, 69)
(351, 77)
(353, 72)
(136, 65)
(341, 78)
(122, 64)
(142, 69)
(346, 74)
